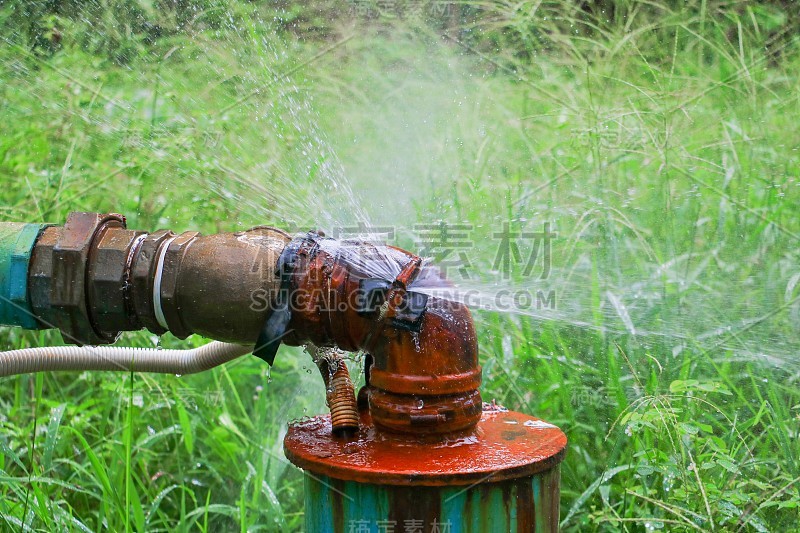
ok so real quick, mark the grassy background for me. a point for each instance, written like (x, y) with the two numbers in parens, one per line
(660, 139)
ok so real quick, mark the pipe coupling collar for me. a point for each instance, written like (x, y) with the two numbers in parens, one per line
(143, 275)
(280, 314)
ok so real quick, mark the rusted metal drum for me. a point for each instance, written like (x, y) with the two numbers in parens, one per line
(503, 475)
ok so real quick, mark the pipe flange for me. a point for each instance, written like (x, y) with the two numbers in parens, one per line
(60, 276)
(170, 306)
(143, 273)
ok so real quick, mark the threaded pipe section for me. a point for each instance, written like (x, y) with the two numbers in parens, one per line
(341, 399)
(339, 390)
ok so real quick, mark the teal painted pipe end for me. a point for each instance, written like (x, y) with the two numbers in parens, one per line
(16, 245)
(524, 505)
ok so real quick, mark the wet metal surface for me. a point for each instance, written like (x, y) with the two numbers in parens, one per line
(93, 278)
(16, 245)
(424, 379)
(501, 476)
(58, 272)
(504, 445)
(526, 504)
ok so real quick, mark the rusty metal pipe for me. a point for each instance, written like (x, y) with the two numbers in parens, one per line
(421, 380)
(446, 457)
(93, 278)
(501, 476)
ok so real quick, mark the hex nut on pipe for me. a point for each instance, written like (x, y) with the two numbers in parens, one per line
(58, 273)
(109, 279)
(93, 279)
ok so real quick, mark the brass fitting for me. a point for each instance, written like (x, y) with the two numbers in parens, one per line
(92, 278)
(60, 264)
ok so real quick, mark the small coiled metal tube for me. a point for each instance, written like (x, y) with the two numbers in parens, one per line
(339, 389)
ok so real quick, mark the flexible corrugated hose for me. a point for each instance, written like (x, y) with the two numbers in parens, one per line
(125, 359)
(339, 392)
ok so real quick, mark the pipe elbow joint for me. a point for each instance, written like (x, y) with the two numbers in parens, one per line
(427, 381)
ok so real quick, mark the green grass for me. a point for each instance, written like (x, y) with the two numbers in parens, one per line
(660, 140)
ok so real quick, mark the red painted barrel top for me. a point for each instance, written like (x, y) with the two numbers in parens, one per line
(504, 445)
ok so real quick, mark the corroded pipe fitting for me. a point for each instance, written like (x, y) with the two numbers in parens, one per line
(424, 377)
(92, 278)
(341, 401)
(60, 263)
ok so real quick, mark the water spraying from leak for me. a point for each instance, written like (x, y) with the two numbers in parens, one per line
(397, 177)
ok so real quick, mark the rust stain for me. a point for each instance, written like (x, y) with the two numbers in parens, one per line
(414, 503)
(481, 454)
(338, 505)
(422, 381)
(551, 497)
(526, 510)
